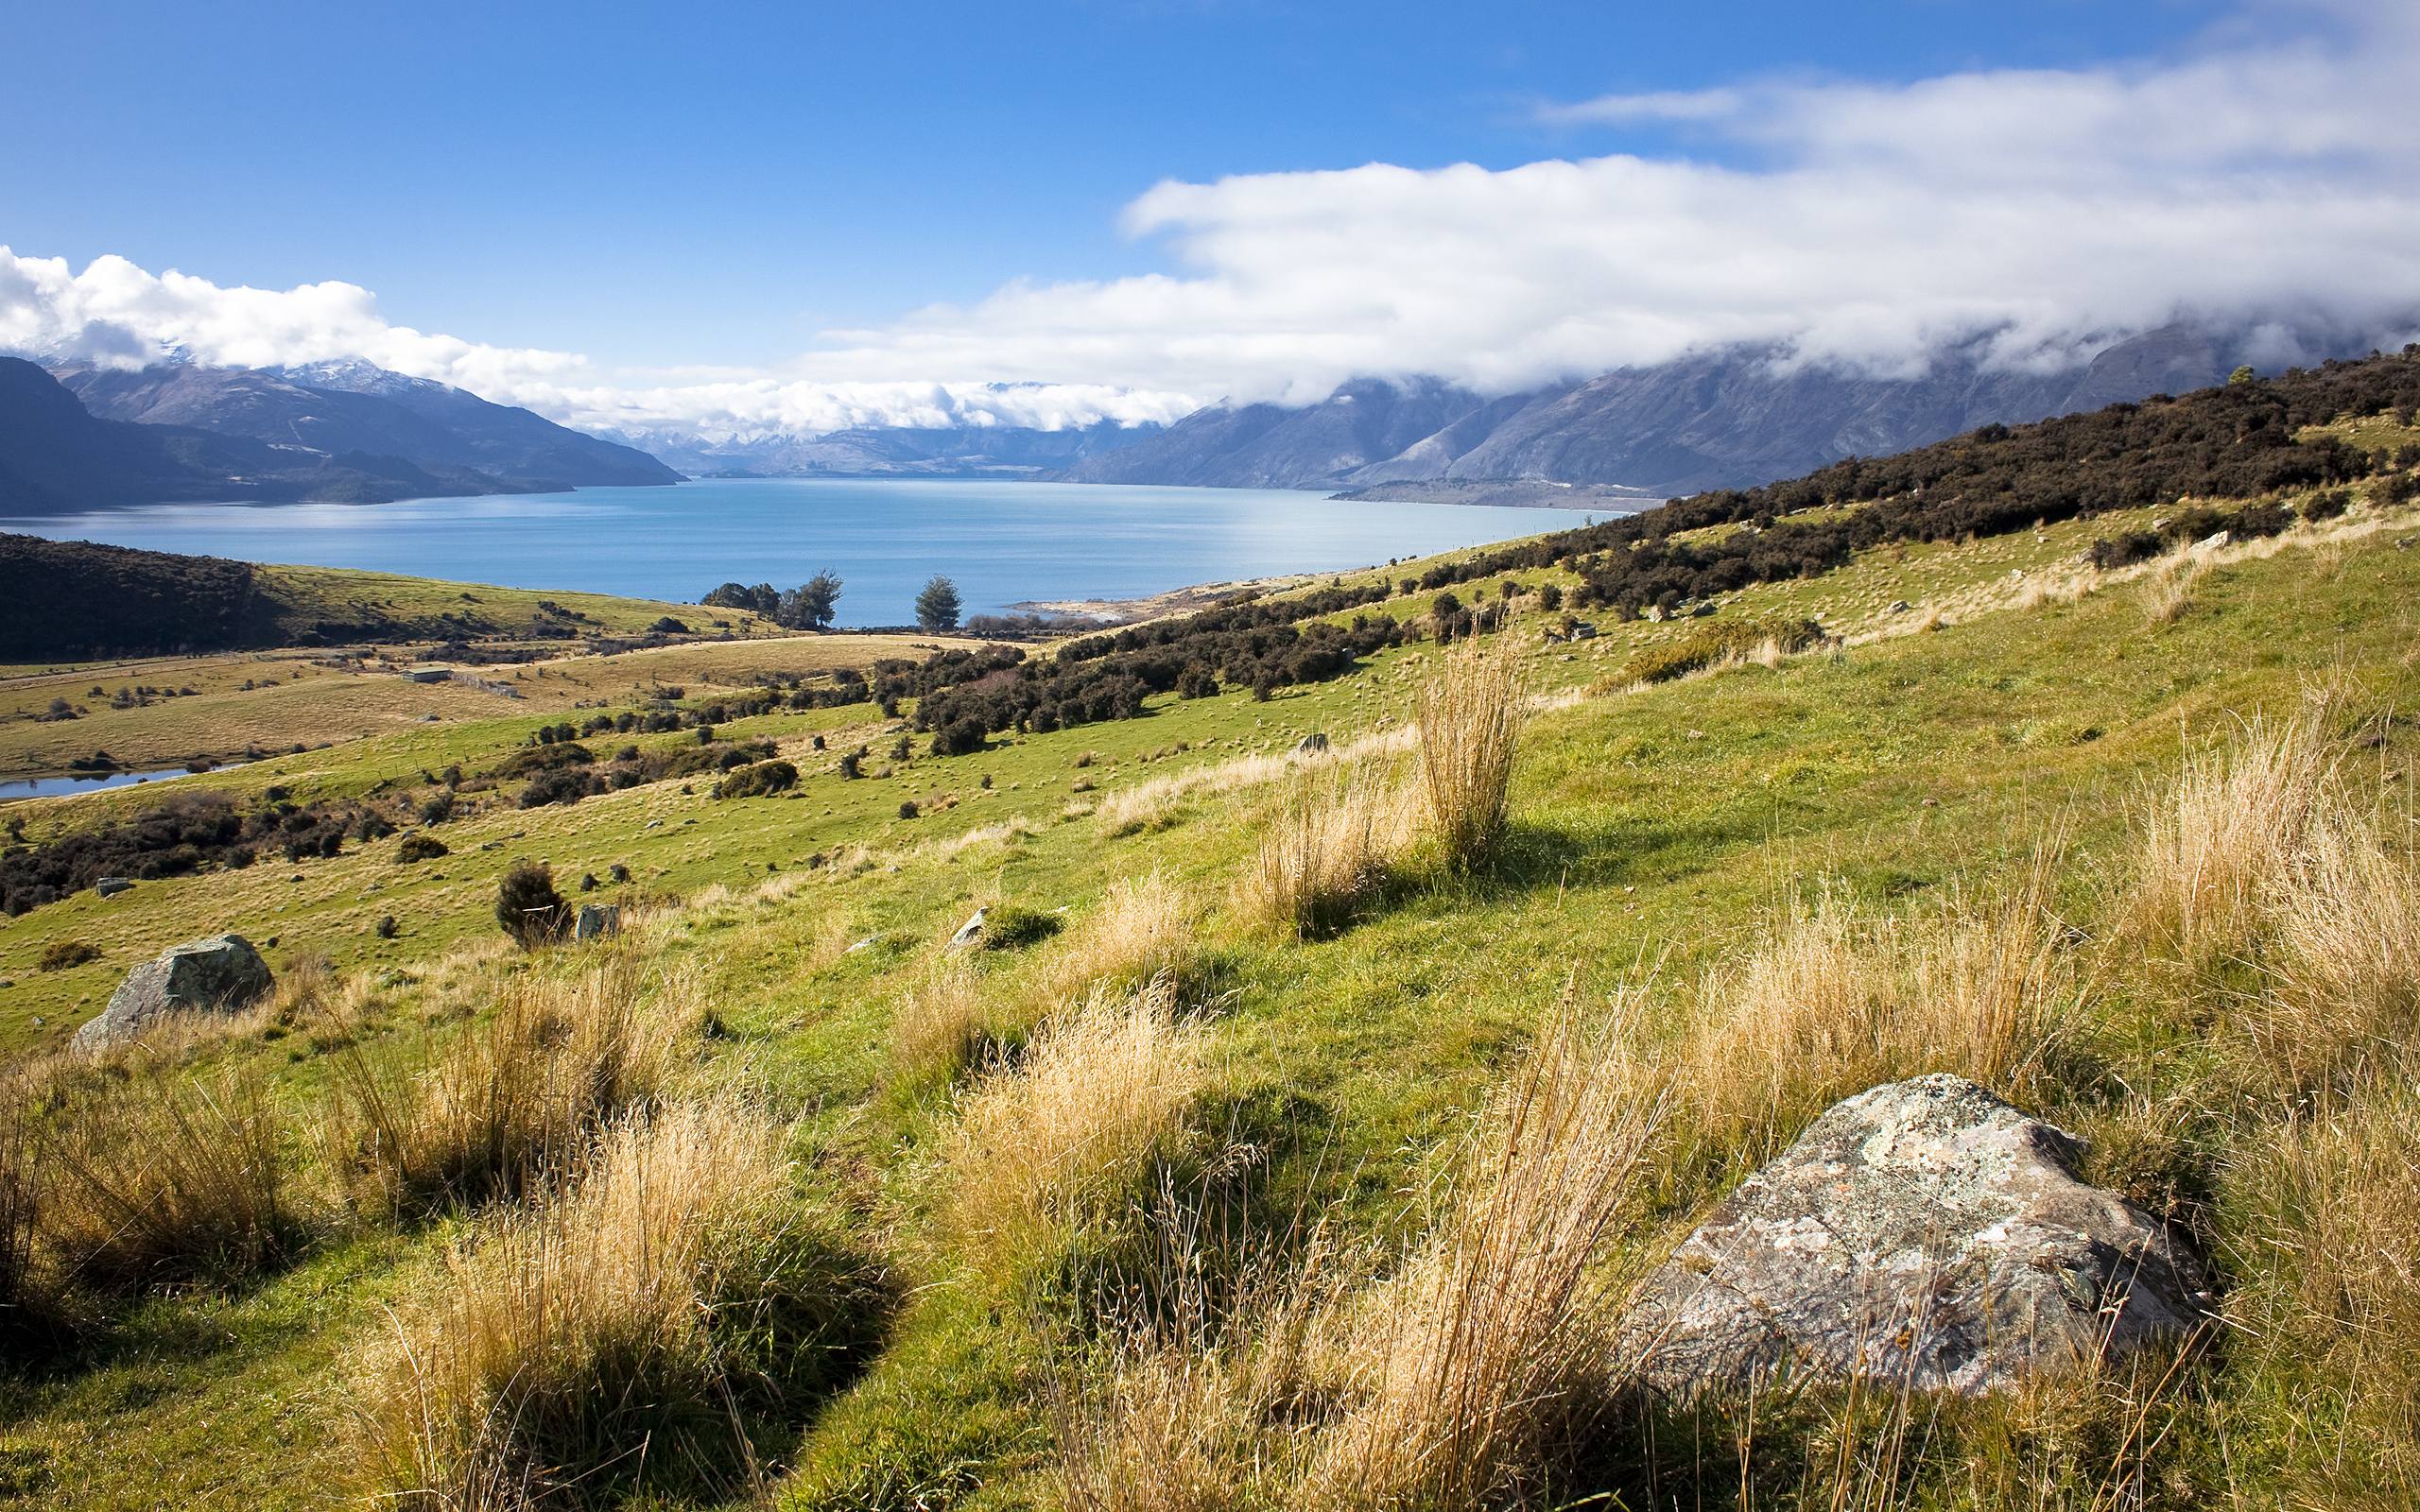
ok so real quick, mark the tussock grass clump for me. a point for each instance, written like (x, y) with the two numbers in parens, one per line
(2218, 844)
(2168, 588)
(944, 1021)
(2330, 1211)
(1461, 1381)
(1473, 1373)
(1722, 641)
(1326, 852)
(2344, 1002)
(1146, 929)
(1833, 1001)
(1470, 723)
(573, 1346)
(505, 1095)
(1060, 1143)
(151, 1179)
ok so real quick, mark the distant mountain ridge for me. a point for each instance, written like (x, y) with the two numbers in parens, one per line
(333, 416)
(872, 451)
(1725, 420)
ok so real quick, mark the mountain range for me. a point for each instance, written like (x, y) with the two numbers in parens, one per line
(77, 436)
(1726, 420)
(874, 451)
(342, 432)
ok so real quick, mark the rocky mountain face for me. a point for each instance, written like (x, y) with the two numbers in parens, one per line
(1270, 446)
(959, 451)
(355, 418)
(1726, 420)
(55, 456)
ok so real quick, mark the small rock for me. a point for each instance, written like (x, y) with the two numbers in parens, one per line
(1311, 744)
(1898, 605)
(968, 933)
(596, 921)
(112, 886)
(1924, 1232)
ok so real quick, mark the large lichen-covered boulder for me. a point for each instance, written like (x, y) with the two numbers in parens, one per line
(215, 975)
(1924, 1232)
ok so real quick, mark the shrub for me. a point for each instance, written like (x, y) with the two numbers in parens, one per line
(64, 955)
(960, 737)
(528, 907)
(763, 779)
(414, 848)
(908, 809)
(1012, 927)
(563, 785)
(1470, 722)
(666, 1279)
(1722, 641)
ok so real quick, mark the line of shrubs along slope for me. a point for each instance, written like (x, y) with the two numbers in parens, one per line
(2240, 441)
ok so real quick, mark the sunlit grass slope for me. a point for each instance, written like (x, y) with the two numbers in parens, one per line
(1186, 1196)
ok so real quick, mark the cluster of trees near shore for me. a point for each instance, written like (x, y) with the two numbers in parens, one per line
(813, 605)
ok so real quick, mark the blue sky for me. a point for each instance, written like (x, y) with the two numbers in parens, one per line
(559, 176)
(793, 217)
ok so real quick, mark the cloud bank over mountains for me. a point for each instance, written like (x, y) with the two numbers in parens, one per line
(2262, 176)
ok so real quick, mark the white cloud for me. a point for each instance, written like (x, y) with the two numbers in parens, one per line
(2263, 175)
(116, 314)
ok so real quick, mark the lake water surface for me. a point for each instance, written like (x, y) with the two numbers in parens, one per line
(1002, 543)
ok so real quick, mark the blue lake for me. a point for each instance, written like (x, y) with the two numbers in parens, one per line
(1002, 543)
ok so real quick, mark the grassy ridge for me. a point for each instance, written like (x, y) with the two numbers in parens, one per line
(1973, 800)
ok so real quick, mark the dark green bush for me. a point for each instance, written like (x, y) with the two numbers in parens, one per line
(528, 907)
(1709, 643)
(763, 779)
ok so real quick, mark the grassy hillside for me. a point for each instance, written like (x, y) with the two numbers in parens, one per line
(77, 601)
(1158, 1203)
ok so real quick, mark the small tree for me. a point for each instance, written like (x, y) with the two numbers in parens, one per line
(937, 607)
(2241, 375)
(528, 907)
(811, 605)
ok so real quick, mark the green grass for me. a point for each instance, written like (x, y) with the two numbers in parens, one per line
(1652, 832)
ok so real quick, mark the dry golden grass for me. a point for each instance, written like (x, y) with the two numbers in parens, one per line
(1834, 1002)
(1470, 724)
(1063, 1142)
(2168, 589)
(2332, 1283)
(944, 1021)
(1144, 928)
(1460, 1383)
(1326, 852)
(507, 1094)
(2344, 996)
(1473, 1373)
(575, 1342)
(2217, 845)
(149, 1178)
